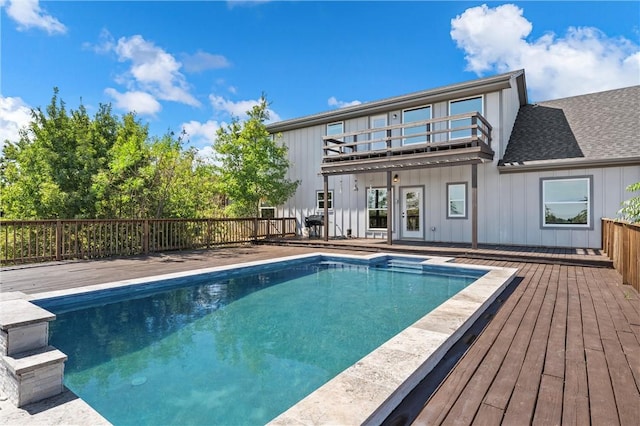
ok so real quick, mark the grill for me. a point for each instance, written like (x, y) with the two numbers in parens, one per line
(315, 222)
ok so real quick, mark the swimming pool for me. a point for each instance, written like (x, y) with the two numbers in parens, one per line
(239, 345)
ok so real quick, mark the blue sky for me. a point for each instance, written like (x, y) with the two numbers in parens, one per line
(194, 64)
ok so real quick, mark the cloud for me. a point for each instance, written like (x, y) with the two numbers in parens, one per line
(14, 115)
(238, 109)
(200, 134)
(332, 101)
(152, 69)
(28, 14)
(135, 101)
(202, 61)
(584, 60)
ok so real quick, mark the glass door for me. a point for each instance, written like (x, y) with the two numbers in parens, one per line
(412, 218)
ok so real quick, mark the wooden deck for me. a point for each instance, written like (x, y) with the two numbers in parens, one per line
(564, 347)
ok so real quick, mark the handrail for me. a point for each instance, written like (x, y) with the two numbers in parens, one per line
(27, 241)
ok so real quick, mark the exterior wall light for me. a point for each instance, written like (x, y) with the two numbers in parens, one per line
(396, 178)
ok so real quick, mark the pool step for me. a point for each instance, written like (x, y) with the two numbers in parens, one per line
(30, 369)
(405, 266)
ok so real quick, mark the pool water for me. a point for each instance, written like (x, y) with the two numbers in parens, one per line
(238, 350)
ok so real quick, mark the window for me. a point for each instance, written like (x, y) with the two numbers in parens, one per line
(335, 128)
(566, 202)
(320, 200)
(334, 148)
(378, 138)
(267, 211)
(377, 208)
(463, 106)
(457, 200)
(416, 114)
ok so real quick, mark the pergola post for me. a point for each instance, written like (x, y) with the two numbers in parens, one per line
(389, 210)
(474, 206)
(325, 212)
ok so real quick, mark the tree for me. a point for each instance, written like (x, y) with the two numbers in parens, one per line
(252, 164)
(69, 165)
(630, 209)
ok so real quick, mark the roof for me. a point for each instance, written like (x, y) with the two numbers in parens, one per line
(601, 127)
(458, 90)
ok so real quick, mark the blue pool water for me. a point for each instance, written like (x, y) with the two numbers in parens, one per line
(232, 349)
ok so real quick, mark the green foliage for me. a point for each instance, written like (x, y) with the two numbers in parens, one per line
(630, 209)
(252, 164)
(69, 165)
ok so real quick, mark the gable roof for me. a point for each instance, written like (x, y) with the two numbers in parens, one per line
(599, 128)
(453, 91)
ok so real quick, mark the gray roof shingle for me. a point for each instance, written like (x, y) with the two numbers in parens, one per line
(597, 126)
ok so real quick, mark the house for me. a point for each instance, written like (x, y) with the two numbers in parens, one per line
(472, 162)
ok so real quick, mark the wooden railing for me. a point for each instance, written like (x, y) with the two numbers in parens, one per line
(443, 133)
(28, 241)
(621, 242)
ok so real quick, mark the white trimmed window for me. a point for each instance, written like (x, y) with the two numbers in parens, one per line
(377, 208)
(457, 200)
(267, 211)
(413, 115)
(336, 128)
(320, 200)
(463, 106)
(566, 202)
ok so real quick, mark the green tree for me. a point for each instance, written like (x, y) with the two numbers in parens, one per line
(70, 165)
(48, 172)
(253, 164)
(630, 209)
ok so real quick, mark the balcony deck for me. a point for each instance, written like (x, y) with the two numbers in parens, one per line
(428, 143)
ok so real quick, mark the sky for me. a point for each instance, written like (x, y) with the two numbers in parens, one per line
(193, 65)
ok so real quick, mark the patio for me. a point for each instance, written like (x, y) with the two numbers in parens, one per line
(564, 347)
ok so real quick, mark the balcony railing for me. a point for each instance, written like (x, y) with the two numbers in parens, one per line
(452, 139)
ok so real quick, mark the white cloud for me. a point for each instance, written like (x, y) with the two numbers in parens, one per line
(14, 115)
(584, 60)
(154, 70)
(239, 109)
(135, 101)
(200, 134)
(332, 101)
(201, 61)
(28, 14)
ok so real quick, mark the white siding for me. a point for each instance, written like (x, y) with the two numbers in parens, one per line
(509, 209)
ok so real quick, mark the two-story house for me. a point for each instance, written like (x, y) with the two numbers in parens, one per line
(472, 162)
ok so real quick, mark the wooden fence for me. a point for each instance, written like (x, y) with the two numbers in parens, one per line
(27, 241)
(621, 242)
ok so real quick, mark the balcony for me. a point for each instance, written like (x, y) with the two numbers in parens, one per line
(446, 141)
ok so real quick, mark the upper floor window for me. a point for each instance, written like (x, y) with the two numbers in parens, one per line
(320, 200)
(336, 128)
(566, 202)
(463, 106)
(412, 115)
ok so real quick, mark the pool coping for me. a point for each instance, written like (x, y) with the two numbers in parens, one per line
(369, 390)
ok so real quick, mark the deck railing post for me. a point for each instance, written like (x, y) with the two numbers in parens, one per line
(145, 236)
(58, 240)
(255, 229)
